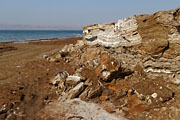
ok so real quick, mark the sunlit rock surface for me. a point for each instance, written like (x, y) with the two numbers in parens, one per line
(130, 67)
(121, 33)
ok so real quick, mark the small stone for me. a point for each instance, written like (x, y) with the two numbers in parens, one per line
(61, 76)
(106, 74)
(79, 43)
(48, 59)
(73, 80)
(154, 95)
(67, 60)
(53, 60)
(58, 56)
(45, 56)
(18, 66)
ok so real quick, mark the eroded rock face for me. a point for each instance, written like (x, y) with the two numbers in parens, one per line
(152, 32)
(130, 67)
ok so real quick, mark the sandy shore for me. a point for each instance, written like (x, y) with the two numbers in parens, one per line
(14, 55)
(24, 76)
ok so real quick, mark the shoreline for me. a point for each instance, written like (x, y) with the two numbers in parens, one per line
(41, 39)
(8, 46)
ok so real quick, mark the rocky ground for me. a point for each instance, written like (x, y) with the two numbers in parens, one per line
(25, 75)
(119, 80)
(135, 75)
(124, 70)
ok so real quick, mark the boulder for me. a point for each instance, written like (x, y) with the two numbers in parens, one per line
(108, 67)
(59, 78)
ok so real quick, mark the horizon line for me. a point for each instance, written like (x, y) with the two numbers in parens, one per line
(45, 29)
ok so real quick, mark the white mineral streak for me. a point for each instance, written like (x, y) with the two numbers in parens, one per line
(73, 78)
(157, 70)
(121, 33)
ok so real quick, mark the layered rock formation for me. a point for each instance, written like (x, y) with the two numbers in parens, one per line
(121, 33)
(130, 67)
(135, 30)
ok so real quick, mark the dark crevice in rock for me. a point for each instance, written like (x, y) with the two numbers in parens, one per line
(91, 39)
(119, 75)
(166, 48)
(176, 13)
(170, 98)
(85, 86)
(178, 28)
(22, 97)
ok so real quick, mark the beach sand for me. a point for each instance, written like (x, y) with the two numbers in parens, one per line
(24, 76)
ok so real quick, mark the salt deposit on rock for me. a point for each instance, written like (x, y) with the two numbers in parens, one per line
(80, 110)
(121, 33)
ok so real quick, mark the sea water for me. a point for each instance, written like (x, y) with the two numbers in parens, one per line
(25, 35)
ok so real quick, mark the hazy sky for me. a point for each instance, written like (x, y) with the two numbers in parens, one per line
(76, 12)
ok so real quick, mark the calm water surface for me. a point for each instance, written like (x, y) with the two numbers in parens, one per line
(25, 35)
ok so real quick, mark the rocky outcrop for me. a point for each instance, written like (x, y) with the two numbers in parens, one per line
(154, 32)
(130, 67)
(121, 33)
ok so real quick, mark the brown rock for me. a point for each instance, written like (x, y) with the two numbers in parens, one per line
(153, 91)
(94, 92)
(84, 95)
(154, 35)
(60, 77)
(108, 66)
(90, 54)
